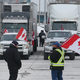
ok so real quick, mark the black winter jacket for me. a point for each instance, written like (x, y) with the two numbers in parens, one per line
(12, 58)
(54, 57)
(41, 34)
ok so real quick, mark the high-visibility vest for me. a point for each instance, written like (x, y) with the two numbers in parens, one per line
(59, 63)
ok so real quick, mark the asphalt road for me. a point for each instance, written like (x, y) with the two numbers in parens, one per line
(38, 69)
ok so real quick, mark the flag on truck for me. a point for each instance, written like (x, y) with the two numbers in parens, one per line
(33, 36)
(62, 27)
(6, 31)
(72, 43)
(22, 34)
(17, 0)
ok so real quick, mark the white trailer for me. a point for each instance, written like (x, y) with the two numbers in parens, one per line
(17, 15)
(66, 16)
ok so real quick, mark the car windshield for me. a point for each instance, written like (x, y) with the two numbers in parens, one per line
(59, 34)
(64, 26)
(8, 37)
(14, 25)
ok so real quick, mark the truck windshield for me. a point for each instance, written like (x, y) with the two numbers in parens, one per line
(14, 25)
(59, 34)
(8, 37)
(64, 26)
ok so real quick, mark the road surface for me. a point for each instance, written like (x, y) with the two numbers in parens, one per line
(38, 69)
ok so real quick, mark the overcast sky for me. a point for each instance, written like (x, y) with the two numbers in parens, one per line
(41, 4)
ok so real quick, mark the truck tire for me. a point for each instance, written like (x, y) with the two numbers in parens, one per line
(31, 53)
(1, 57)
(72, 56)
(26, 57)
(35, 45)
(45, 56)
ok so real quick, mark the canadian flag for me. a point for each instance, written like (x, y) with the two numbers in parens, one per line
(33, 36)
(17, 0)
(72, 43)
(62, 27)
(22, 34)
(6, 31)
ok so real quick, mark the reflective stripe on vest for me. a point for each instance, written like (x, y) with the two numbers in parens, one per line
(59, 63)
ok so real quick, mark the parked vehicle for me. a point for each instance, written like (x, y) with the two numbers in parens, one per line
(17, 15)
(24, 48)
(60, 36)
(63, 17)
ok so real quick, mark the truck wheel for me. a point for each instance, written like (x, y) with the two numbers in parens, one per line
(35, 46)
(45, 56)
(1, 57)
(31, 53)
(26, 57)
(72, 56)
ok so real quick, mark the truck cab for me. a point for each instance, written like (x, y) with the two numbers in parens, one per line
(17, 15)
(63, 17)
(59, 36)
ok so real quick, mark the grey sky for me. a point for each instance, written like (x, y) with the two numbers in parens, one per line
(41, 4)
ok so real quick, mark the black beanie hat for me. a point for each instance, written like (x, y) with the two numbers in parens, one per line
(15, 42)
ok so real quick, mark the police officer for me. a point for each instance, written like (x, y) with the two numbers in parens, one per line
(56, 61)
(12, 58)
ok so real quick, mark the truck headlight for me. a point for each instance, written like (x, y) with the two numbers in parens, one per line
(25, 46)
(1, 46)
(47, 43)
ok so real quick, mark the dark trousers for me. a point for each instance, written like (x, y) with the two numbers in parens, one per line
(56, 74)
(42, 42)
(13, 74)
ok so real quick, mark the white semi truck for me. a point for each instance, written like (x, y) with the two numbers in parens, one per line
(17, 15)
(63, 16)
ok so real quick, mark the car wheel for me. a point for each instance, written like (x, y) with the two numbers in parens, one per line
(45, 56)
(72, 56)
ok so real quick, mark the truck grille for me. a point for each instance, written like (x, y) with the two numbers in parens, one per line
(7, 46)
(54, 42)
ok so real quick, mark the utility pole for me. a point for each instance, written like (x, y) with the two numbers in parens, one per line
(39, 12)
(44, 13)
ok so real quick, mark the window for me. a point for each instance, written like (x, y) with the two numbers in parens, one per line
(8, 37)
(14, 25)
(26, 8)
(59, 34)
(65, 25)
(7, 8)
